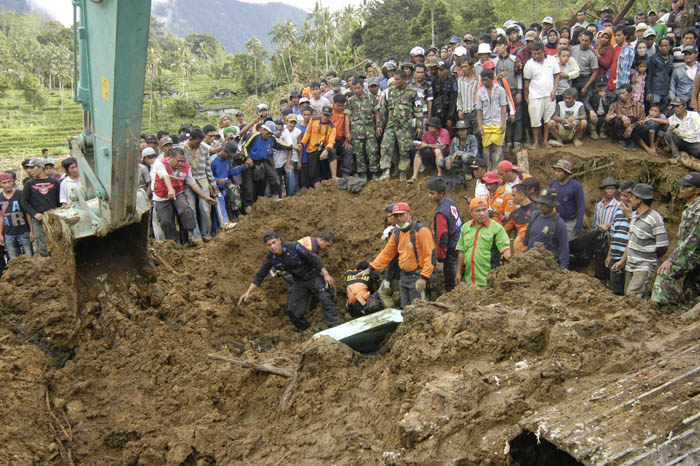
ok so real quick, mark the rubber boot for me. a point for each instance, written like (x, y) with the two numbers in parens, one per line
(386, 174)
(385, 294)
(594, 132)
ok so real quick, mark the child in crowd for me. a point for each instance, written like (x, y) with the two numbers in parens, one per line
(656, 123)
(638, 78)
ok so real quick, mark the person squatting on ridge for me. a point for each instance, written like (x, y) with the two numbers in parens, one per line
(309, 275)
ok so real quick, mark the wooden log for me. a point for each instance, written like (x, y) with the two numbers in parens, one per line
(251, 365)
(625, 8)
(594, 169)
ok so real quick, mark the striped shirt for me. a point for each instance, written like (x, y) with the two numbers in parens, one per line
(647, 235)
(604, 214)
(466, 94)
(619, 235)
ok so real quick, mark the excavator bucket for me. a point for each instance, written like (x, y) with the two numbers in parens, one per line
(102, 235)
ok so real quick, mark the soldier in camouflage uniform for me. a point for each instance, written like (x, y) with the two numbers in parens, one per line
(360, 128)
(397, 111)
(683, 265)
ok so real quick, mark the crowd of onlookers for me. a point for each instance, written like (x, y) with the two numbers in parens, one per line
(462, 110)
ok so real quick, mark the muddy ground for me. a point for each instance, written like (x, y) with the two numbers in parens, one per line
(126, 379)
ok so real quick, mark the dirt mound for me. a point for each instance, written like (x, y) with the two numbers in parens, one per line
(129, 381)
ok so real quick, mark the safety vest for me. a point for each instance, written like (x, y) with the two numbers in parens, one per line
(160, 189)
(501, 204)
(310, 243)
(448, 208)
(357, 287)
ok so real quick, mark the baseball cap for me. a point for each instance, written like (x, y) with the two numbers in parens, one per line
(400, 208)
(407, 64)
(460, 51)
(601, 81)
(292, 117)
(231, 130)
(530, 35)
(270, 234)
(326, 110)
(435, 122)
(416, 51)
(269, 126)
(642, 27)
(166, 140)
(304, 100)
(374, 81)
(548, 197)
(651, 12)
(36, 162)
(455, 40)
(478, 202)
(48, 161)
(148, 152)
(488, 65)
(689, 49)
(504, 165)
(151, 139)
(435, 61)
(548, 20)
(443, 65)
(649, 33)
(334, 84)
(677, 101)
(294, 94)
(691, 179)
(491, 177)
(478, 162)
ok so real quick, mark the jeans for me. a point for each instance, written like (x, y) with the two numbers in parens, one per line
(158, 232)
(203, 228)
(291, 180)
(39, 238)
(407, 288)
(617, 280)
(14, 242)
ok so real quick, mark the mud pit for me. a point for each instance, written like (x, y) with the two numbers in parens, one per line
(126, 379)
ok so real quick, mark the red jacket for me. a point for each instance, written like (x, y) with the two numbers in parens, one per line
(160, 189)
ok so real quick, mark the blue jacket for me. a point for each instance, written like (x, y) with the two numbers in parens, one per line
(681, 84)
(572, 201)
(258, 148)
(222, 168)
(539, 231)
(659, 75)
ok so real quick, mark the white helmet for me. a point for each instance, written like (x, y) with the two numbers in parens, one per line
(261, 107)
(417, 50)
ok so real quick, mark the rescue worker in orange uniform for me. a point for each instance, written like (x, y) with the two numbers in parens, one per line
(316, 244)
(500, 201)
(520, 218)
(362, 293)
(415, 247)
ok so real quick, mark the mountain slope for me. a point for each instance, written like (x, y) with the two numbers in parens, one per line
(230, 21)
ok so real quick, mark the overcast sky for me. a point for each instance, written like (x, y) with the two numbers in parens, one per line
(62, 10)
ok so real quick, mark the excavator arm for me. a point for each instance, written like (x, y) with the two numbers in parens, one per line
(108, 212)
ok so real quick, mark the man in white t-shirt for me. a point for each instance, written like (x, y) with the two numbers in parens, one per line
(569, 121)
(683, 130)
(541, 74)
(317, 101)
(70, 182)
(291, 135)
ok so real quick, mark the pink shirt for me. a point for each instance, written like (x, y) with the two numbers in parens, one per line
(443, 138)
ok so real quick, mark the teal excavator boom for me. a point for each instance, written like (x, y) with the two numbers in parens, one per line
(108, 214)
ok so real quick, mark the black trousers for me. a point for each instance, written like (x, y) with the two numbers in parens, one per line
(449, 269)
(346, 158)
(252, 189)
(166, 215)
(299, 297)
(639, 131)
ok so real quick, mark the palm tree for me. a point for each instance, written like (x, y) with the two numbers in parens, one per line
(255, 48)
(279, 38)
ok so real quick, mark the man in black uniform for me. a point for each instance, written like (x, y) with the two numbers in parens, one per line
(308, 273)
